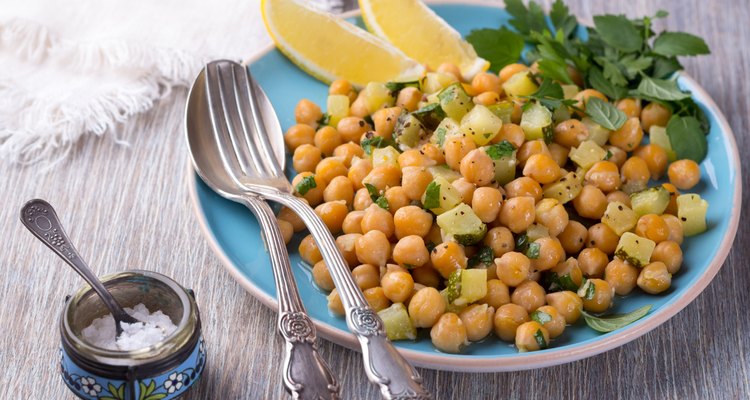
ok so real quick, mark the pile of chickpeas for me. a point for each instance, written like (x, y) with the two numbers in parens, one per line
(399, 255)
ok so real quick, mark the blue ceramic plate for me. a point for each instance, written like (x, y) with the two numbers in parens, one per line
(234, 235)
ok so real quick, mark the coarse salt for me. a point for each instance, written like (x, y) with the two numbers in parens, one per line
(152, 329)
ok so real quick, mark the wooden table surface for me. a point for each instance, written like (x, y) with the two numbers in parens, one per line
(128, 207)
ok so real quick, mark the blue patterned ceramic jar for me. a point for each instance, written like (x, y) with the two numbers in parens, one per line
(162, 371)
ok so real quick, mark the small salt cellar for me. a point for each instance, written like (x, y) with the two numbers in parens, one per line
(163, 371)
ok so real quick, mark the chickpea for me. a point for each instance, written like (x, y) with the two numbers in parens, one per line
(327, 139)
(352, 128)
(592, 262)
(654, 278)
(465, 188)
(552, 214)
(616, 155)
(635, 174)
(414, 158)
(629, 136)
(415, 180)
(448, 257)
(322, 276)
(529, 295)
(570, 268)
(477, 319)
(347, 151)
(313, 195)
(542, 168)
(604, 175)
(568, 304)
(570, 133)
(412, 220)
(621, 276)
(591, 202)
(573, 237)
(684, 174)
(397, 286)
(631, 107)
(426, 276)
(524, 186)
(500, 239)
(285, 214)
(409, 98)
(340, 86)
(332, 213)
(396, 198)
(655, 157)
(619, 195)
(347, 246)
(286, 230)
(652, 226)
(362, 200)
(385, 120)
(376, 298)
(512, 133)
(518, 213)
(508, 318)
(426, 307)
(329, 168)
(528, 337)
(654, 114)
(602, 237)
(675, 228)
(305, 158)
(673, 193)
(511, 69)
(486, 82)
(378, 219)
(334, 303)
(358, 107)
(487, 98)
(433, 152)
(597, 295)
(456, 148)
(558, 153)
(486, 203)
(339, 188)
(512, 268)
(449, 334)
(450, 69)
(359, 169)
(497, 294)
(308, 250)
(307, 112)
(477, 167)
(298, 135)
(384, 176)
(530, 148)
(669, 253)
(373, 248)
(434, 235)
(411, 252)
(550, 254)
(583, 97)
(556, 325)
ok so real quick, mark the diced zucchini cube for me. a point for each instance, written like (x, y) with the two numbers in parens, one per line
(535, 121)
(520, 84)
(398, 325)
(473, 285)
(619, 217)
(481, 125)
(561, 114)
(503, 110)
(650, 201)
(385, 156)
(444, 172)
(597, 133)
(570, 91)
(455, 102)
(440, 196)
(691, 210)
(377, 96)
(587, 154)
(447, 128)
(658, 135)
(634, 249)
(537, 231)
(430, 115)
(505, 169)
(434, 82)
(566, 189)
(408, 130)
(337, 106)
(462, 224)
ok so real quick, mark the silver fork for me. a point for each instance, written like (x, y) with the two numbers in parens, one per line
(306, 375)
(248, 115)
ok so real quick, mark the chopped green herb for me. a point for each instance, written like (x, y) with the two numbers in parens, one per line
(485, 256)
(306, 184)
(550, 95)
(396, 87)
(608, 155)
(541, 317)
(533, 250)
(687, 138)
(430, 246)
(382, 202)
(432, 196)
(587, 290)
(605, 114)
(500, 150)
(602, 84)
(522, 243)
(539, 337)
(555, 282)
(430, 115)
(373, 142)
(498, 46)
(613, 322)
(376, 196)
(325, 119)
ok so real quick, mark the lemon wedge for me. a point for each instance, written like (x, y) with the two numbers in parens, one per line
(420, 33)
(329, 48)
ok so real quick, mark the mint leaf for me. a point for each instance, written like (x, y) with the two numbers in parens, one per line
(522, 243)
(661, 89)
(605, 114)
(498, 46)
(616, 321)
(600, 83)
(541, 317)
(371, 142)
(687, 138)
(485, 256)
(382, 202)
(372, 191)
(500, 150)
(306, 184)
(665, 67)
(432, 196)
(618, 32)
(539, 337)
(532, 251)
(680, 44)
(550, 95)
(557, 282)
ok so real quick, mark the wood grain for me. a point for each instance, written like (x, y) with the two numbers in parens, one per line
(128, 207)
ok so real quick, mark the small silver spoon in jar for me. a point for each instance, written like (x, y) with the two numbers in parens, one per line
(40, 218)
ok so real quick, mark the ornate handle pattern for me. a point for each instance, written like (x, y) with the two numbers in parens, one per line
(306, 374)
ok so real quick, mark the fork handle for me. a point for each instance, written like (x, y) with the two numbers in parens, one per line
(306, 374)
(384, 365)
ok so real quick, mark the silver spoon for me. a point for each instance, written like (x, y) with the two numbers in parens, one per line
(306, 374)
(40, 218)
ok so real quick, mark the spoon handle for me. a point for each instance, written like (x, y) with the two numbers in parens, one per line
(40, 218)
(306, 374)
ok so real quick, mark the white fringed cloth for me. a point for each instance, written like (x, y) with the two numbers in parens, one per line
(69, 69)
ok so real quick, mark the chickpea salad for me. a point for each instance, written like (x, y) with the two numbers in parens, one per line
(512, 205)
